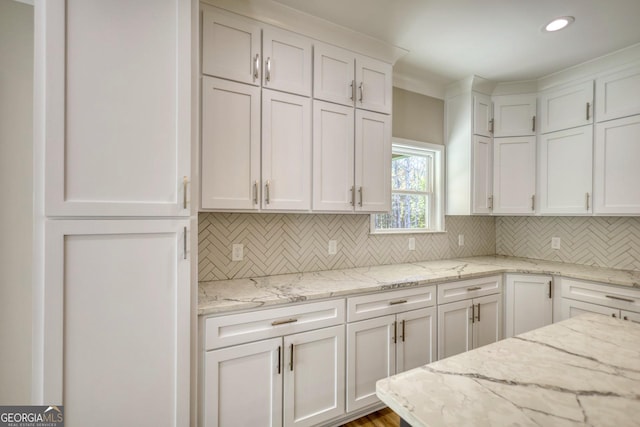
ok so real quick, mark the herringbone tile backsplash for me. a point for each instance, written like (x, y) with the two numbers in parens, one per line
(289, 243)
(601, 241)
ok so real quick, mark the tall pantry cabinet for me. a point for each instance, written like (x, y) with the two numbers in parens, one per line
(113, 135)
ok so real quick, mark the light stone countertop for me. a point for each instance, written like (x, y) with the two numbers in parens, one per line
(222, 296)
(584, 371)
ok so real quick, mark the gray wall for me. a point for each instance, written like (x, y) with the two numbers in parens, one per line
(418, 117)
(16, 192)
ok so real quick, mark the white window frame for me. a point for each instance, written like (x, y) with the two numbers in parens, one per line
(436, 214)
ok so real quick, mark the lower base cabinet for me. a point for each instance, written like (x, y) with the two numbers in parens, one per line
(528, 303)
(580, 297)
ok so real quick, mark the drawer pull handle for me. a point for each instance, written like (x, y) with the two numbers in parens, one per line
(283, 322)
(400, 301)
(620, 298)
(475, 288)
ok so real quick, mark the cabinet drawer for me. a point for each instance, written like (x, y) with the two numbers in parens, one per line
(596, 293)
(381, 304)
(458, 291)
(234, 329)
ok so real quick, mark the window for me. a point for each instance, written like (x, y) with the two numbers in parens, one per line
(417, 203)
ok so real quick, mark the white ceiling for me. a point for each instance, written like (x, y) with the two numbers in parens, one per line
(500, 40)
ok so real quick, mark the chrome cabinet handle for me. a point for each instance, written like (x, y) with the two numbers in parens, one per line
(291, 361)
(256, 67)
(400, 301)
(360, 192)
(491, 126)
(255, 193)
(533, 202)
(184, 191)
(267, 73)
(491, 202)
(353, 195)
(267, 195)
(620, 298)
(533, 124)
(361, 87)
(283, 322)
(184, 240)
(353, 89)
(587, 194)
(588, 108)
(475, 288)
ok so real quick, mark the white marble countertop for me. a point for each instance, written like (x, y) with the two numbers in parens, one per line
(241, 294)
(584, 371)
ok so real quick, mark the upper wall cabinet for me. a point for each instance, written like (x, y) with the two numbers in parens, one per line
(566, 108)
(350, 79)
(373, 162)
(514, 175)
(231, 47)
(117, 112)
(482, 115)
(618, 94)
(514, 115)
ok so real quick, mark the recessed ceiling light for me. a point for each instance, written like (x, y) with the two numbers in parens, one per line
(559, 23)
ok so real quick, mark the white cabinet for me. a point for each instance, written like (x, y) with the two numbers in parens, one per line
(567, 107)
(482, 115)
(286, 151)
(373, 162)
(565, 172)
(579, 296)
(287, 61)
(117, 119)
(618, 94)
(469, 314)
(528, 303)
(514, 115)
(230, 145)
(514, 175)
(482, 181)
(616, 171)
(389, 332)
(347, 78)
(99, 325)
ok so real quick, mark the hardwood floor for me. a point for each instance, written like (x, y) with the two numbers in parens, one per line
(383, 418)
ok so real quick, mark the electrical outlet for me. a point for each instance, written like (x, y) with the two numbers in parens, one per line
(555, 243)
(237, 252)
(412, 243)
(460, 239)
(333, 247)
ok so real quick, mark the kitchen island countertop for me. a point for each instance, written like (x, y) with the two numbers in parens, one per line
(584, 371)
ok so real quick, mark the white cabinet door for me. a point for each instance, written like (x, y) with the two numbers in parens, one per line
(117, 117)
(528, 303)
(416, 338)
(514, 175)
(487, 327)
(373, 162)
(482, 115)
(314, 372)
(115, 312)
(455, 333)
(616, 171)
(374, 84)
(230, 155)
(333, 74)
(618, 94)
(286, 151)
(514, 115)
(333, 151)
(571, 308)
(482, 182)
(230, 46)
(243, 385)
(287, 61)
(565, 171)
(371, 356)
(566, 108)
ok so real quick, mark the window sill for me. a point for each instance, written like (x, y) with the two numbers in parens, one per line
(396, 232)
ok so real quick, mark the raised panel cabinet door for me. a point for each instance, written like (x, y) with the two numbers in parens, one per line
(113, 321)
(455, 332)
(287, 61)
(286, 151)
(482, 183)
(371, 356)
(231, 46)
(482, 115)
(618, 94)
(314, 373)
(374, 84)
(116, 119)
(528, 303)
(616, 171)
(230, 153)
(514, 115)
(565, 171)
(487, 327)
(514, 175)
(243, 385)
(373, 162)
(416, 338)
(333, 151)
(567, 107)
(571, 308)
(333, 74)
